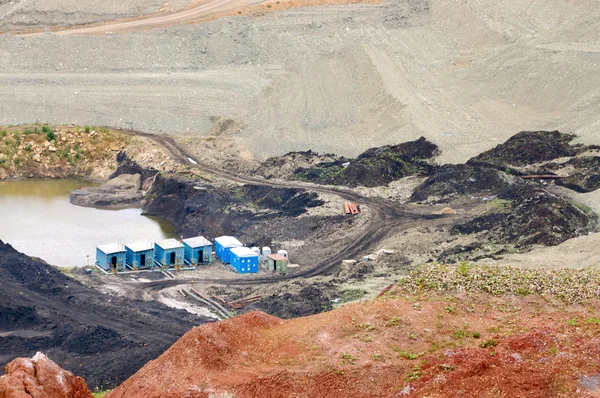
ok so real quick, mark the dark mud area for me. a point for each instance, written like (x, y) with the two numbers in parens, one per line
(309, 300)
(213, 211)
(531, 215)
(128, 166)
(103, 338)
(451, 181)
(374, 167)
(527, 148)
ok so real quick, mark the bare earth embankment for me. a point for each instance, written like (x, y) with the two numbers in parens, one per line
(334, 78)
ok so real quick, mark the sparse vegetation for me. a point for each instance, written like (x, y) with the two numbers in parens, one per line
(567, 285)
(100, 394)
(47, 151)
(415, 374)
(409, 355)
(573, 322)
(488, 343)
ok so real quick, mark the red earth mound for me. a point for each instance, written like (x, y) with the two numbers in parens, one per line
(451, 346)
(39, 377)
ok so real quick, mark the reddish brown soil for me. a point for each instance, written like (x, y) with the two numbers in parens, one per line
(39, 377)
(394, 346)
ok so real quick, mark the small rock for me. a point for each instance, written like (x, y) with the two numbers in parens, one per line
(517, 357)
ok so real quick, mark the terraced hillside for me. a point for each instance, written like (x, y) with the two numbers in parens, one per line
(335, 78)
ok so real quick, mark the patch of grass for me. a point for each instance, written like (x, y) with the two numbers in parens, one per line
(376, 357)
(488, 343)
(501, 204)
(366, 326)
(346, 357)
(352, 295)
(415, 374)
(410, 356)
(593, 321)
(394, 321)
(50, 136)
(573, 322)
(584, 208)
(100, 393)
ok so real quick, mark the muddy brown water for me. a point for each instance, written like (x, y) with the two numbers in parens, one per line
(37, 219)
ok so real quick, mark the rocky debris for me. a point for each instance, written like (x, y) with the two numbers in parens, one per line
(528, 147)
(584, 176)
(105, 338)
(119, 192)
(308, 301)
(286, 165)
(39, 377)
(374, 167)
(473, 252)
(451, 181)
(534, 216)
(128, 166)
(212, 210)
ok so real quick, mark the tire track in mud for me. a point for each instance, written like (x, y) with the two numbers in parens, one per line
(385, 217)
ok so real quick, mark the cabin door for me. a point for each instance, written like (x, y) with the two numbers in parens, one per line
(200, 256)
(142, 261)
(113, 261)
(172, 258)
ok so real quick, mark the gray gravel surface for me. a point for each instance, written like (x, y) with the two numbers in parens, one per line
(467, 75)
(46, 13)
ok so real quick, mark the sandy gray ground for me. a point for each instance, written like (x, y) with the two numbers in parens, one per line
(40, 13)
(466, 74)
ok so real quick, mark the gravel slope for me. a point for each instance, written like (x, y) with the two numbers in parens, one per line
(27, 13)
(341, 79)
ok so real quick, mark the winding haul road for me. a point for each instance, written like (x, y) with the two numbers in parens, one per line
(191, 14)
(385, 217)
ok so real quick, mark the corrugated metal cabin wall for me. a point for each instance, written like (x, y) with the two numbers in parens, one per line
(206, 252)
(178, 254)
(187, 252)
(219, 251)
(101, 258)
(159, 254)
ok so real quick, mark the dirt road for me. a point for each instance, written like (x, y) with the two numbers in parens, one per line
(187, 15)
(385, 217)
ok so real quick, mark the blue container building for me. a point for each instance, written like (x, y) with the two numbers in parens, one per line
(166, 252)
(244, 260)
(110, 256)
(223, 245)
(197, 250)
(139, 254)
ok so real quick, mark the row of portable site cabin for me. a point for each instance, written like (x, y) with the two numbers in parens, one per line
(231, 251)
(244, 260)
(168, 252)
(110, 256)
(197, 250)
(139, 254)
(277, 263)
(145, 255)
(223, 246)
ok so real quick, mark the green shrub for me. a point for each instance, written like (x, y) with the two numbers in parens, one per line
(488, 343)
(50, 136)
